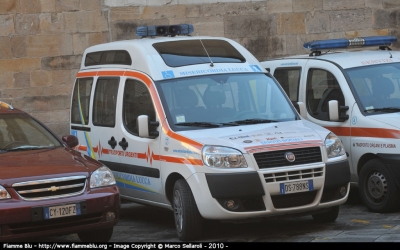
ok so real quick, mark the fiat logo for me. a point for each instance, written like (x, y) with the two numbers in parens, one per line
(290, 156)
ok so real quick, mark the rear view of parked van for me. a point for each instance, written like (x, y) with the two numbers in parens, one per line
(356, 95)
(196, 125)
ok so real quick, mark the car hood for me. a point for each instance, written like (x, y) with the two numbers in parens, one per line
(391, 119)
(29, 165)
(247, 137)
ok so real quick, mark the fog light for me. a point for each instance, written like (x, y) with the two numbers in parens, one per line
(232, 204)
(110, 216)
(343, 191)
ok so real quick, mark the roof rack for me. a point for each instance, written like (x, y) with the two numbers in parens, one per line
(382, 41)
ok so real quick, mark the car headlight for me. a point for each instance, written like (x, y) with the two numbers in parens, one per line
(4, 194)
(222, 157)
(102, 177)
(334, 146)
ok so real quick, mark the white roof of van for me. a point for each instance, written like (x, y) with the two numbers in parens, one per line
(351, 59)
(146, 58)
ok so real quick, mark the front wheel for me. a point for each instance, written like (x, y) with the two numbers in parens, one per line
(329, 216)
(377, 187)
(101, 235)
(188, 221)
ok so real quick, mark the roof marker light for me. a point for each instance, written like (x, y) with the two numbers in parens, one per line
(355, 42)
(164, 30)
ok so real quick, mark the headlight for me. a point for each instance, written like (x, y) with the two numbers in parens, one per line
(334, 146)
(4, 194)
(102, 177)
(222, 157)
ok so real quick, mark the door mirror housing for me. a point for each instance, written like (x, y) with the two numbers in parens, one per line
(70, 140)
(337, 113)
(144, 125)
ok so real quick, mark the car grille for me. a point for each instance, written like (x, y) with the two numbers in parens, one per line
(277, 158)
(294, 175)
(51, 188)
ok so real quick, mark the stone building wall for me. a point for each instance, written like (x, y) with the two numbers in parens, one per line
(42, 41)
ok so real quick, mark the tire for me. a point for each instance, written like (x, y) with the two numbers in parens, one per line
(101, 235)
(188, 221)
(326, 217)
(377, 187)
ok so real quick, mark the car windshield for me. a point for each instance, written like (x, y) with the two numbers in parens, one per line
(21, 132)
(210, 101)
(377, 87)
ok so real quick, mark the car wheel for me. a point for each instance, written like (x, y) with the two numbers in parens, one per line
(329, 216)
(188, 221)
(377, 187)
(101, 235)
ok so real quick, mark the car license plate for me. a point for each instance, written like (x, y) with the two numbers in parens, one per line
(62, 211)
(296, 186)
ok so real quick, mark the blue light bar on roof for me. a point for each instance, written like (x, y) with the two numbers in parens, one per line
(355, 42)
(164, 30)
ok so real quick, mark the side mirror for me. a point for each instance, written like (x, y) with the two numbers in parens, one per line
(302, 109)
(143, 125)
(333, 107)
(337, 113)
(70, 140)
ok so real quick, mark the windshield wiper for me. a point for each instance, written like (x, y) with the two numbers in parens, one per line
(207, 124)
(199, 124)
(28, 147)
(254, 121)
(388, 109)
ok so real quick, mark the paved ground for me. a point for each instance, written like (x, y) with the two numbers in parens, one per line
(355, 224)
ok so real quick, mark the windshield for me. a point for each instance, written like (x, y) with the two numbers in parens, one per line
(21, 132)
(210, 101)
(377, 87)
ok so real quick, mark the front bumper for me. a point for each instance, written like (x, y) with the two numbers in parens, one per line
(24, 219)
(257, 194)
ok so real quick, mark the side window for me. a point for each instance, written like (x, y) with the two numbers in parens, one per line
(81, 100)
(289, 79)
(322, 87)
(105, 102)
(137, 101)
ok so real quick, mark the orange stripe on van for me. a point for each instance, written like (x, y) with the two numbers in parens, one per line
(82, 148)
(365, 132)
(86, 74)
(196, 162)
(110, 73)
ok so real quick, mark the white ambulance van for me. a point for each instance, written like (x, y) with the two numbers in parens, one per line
(356, 95)
(196, 125)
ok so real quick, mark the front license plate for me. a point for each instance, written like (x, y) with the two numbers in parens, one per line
(297, 186)
(62, 211)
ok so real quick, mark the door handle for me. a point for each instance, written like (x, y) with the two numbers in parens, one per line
(123, 143)
(112, 142)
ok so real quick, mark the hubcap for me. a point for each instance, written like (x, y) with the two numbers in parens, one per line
(178, 211)
(377, 186)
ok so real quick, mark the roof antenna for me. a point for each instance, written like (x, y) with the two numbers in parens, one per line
(212, 64)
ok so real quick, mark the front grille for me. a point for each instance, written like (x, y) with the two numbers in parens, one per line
(277, 158)
(293, 200)
(51, 188)
(293, 175)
